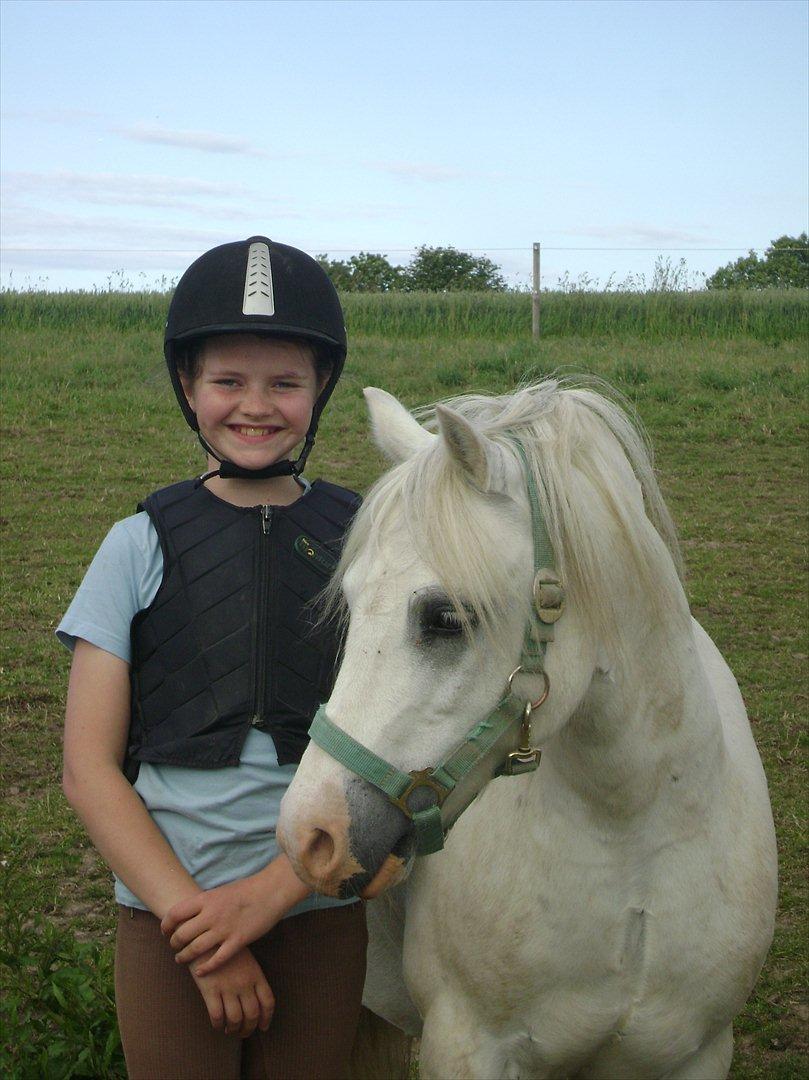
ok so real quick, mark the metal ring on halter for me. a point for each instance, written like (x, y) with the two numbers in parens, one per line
(545, 691)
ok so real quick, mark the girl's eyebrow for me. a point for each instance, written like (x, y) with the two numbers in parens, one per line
(220, 373)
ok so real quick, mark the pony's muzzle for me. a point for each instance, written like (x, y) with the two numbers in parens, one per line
(345, 839)
(392, 871)
(319, 856)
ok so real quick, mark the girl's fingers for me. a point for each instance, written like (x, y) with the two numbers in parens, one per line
(200, 945)
(266, 1004)
(216, 1010)
(226, 951)
(186, 932)
(251, 1013)
(180, 913)
(233, 1014)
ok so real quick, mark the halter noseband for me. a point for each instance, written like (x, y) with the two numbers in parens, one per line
(442, 778)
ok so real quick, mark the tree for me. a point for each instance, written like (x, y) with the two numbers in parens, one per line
(338, 271)
(785, 265)
(445, 269)
(432, 269)
(366, 272)
(373, 273)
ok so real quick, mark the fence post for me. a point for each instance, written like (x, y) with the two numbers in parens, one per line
(535, 296)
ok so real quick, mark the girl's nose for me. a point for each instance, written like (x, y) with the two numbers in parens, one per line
(257, 402)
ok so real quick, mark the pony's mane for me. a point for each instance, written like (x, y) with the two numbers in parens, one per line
(564, 425)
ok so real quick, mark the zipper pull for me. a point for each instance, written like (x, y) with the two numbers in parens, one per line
(266, 519)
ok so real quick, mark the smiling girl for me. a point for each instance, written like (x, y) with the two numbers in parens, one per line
(196, 672)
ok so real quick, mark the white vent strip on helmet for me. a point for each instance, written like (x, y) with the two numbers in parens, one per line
(258, 296)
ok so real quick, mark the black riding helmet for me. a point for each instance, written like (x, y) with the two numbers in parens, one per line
(256, 286)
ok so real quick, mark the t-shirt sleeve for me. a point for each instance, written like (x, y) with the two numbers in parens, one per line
(121, 580)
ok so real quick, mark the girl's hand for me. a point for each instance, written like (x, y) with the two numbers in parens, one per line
(222, 921)
(237, 996)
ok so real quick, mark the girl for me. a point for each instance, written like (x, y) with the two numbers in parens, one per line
(196, 672)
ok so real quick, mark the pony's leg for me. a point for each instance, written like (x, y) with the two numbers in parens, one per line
(380, 1052)
(455, 1046)
(439, 1060)
(386, 992)
(711, 1061)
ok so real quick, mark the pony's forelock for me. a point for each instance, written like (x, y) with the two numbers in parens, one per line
(566, 426)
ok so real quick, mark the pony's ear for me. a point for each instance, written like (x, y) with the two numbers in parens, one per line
(483, 462)
(396, 432)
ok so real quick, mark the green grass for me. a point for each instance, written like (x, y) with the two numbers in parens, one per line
(57, 994)
(90, 427)
(769, 315)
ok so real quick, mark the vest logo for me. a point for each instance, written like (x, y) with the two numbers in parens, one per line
(315, 555)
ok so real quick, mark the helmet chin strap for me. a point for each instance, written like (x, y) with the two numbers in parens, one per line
(229, 470)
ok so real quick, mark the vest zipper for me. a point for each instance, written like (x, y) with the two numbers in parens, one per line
(261, 643)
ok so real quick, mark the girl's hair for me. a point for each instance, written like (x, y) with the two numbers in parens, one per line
(189, 359)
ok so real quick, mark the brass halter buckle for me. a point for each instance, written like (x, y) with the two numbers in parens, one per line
(420, 778)
(526, 757)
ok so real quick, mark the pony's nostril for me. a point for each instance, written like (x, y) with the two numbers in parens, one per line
(319, 852)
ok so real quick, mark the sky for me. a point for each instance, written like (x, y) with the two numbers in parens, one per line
(137, 134)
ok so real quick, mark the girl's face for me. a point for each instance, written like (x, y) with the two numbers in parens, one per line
(253, 397)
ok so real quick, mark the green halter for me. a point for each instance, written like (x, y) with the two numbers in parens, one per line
(443, 778)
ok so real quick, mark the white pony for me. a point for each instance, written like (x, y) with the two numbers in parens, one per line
(607, 915)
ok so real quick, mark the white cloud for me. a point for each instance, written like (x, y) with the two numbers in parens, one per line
(37, 240)
(66, 235)
(61, 220)
(639, 233)
(115, 187)
(49, 230)
(185, 193)
(209, 141)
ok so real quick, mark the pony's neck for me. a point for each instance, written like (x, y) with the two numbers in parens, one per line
(647, 730)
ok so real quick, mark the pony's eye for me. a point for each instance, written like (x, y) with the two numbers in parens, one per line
(446, 621)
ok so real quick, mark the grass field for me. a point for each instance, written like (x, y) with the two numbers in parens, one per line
(90, 427)
(770, 315)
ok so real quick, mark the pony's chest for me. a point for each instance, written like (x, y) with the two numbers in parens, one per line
(562, 990)
(573, 947)
(521, 941)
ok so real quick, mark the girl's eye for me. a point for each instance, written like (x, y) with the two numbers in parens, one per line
(225, 382)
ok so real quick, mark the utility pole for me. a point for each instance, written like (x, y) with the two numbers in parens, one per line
(535, 296)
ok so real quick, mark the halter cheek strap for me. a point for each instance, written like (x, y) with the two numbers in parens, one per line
(442, 778)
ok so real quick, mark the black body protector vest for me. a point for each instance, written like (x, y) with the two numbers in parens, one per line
(229, 643)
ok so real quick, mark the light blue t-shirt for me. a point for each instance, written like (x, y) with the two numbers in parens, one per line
(220, 823)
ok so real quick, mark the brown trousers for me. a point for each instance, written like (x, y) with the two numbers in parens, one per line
(315, 965)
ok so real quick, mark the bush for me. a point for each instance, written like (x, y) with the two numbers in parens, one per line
(432, 269)
(58, 1008)
(785, 266)
(445, 269)
(366, 272)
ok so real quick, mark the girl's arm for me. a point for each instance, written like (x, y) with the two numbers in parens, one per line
(96, 730)
(238, 996)
(229, 917)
